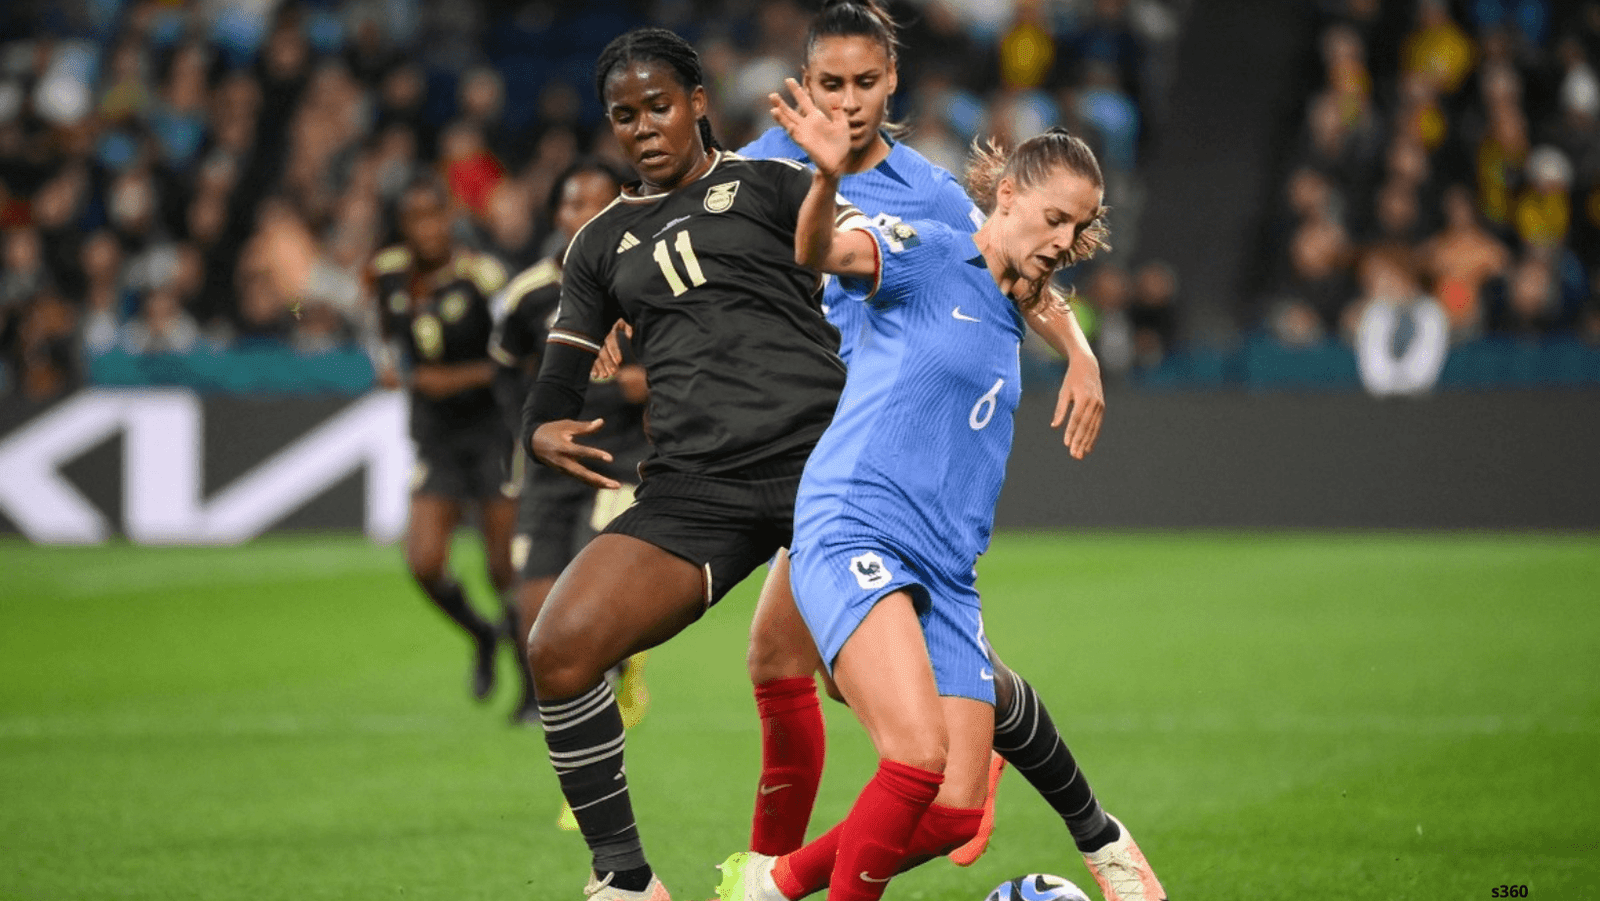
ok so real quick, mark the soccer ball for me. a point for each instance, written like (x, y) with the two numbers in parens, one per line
(1037, 887)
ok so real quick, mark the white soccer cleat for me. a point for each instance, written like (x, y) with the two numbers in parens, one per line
(747, 876)
(1122, 871)
(602, 890)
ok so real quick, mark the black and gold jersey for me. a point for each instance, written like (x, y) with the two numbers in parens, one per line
(443, 317)
(743, 366)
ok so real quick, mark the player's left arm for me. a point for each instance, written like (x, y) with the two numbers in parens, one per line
(827, 236)
(1081, 402)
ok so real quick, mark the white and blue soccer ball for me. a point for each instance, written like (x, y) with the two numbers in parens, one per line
(1037, 887)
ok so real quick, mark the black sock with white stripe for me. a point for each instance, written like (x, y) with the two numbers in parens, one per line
(1027, 738)
(585, 738)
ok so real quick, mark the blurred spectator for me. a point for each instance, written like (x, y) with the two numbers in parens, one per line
(1543, 214)
(162, 326)
(46, 363)
(1438, 49)
(1402, 336)
(1109, 291)
(1153, 313)
(1532, 299)
(1460, 260)
(104, 295)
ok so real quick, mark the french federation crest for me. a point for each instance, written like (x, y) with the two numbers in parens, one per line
(870, 571)
(720, 197)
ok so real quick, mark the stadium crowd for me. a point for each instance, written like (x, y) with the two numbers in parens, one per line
(184, 180)
(1444, 186)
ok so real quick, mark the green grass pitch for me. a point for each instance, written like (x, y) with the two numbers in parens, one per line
(1322, 716)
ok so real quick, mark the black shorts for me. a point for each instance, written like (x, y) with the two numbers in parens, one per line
(725, 527)
(465, 468)
(555, 519)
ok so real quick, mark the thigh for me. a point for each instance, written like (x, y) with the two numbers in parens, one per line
(619, 596)
(884, 673)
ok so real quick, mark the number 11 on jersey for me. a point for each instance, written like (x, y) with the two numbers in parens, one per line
(663, 258)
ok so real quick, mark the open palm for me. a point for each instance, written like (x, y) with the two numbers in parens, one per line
(824, 136)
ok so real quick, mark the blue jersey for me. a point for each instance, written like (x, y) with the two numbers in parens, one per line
(904, 186)
(916, 453)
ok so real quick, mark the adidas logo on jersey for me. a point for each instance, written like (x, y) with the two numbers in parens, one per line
(628, 242)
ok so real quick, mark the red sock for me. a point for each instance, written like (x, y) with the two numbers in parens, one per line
(874, 837)
(792, 750)
(807, 870)
(941, 830)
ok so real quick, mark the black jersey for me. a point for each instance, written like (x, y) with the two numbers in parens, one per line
(743, 366)
(442, 318)
(524, 313)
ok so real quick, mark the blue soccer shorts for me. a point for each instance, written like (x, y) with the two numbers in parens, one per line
(837, 584)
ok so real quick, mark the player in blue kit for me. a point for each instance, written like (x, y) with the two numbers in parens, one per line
(898, 499)
(850, 64)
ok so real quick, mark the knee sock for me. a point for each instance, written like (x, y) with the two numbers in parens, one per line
(941, 830)
(447, 595)
(1027, 738)
(874, 837)
(585, 738)
(793, 746)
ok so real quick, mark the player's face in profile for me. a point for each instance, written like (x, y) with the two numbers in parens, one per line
(656, 121)
(582, 197)
(1042, 222)
(425, 223)
(854, 75)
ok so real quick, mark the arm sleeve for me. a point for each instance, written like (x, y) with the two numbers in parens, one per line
(571, 348)
(910, 256)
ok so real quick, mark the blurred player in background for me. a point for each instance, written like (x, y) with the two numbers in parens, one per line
(558, 515)
(850, 66)
(434, 317)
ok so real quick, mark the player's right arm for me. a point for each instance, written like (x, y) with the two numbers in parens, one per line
(550, 427)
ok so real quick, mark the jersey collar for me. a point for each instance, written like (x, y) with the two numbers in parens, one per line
(627, 195)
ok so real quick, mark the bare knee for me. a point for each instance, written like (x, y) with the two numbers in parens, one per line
(780, 654)
(560, 665)
(926, 748)
(427, 566)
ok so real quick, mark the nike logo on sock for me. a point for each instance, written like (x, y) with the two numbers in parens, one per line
(769, 789)
(866, 878)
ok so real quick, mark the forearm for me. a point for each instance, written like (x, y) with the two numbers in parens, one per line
(1056, 324)
(559, 392)
(813, 233)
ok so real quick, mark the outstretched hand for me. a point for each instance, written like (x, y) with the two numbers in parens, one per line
(823, 135)
(553, 444)
(1082, 395)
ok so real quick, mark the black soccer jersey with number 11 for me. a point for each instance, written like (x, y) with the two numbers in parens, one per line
(743, 366)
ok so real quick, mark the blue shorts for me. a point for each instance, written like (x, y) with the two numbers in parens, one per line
(836, 584)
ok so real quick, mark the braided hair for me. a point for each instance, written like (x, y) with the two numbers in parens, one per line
(656, 45)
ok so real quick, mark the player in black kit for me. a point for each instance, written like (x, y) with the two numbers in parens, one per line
(558, 515)
(700, 258)
(433, 303)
